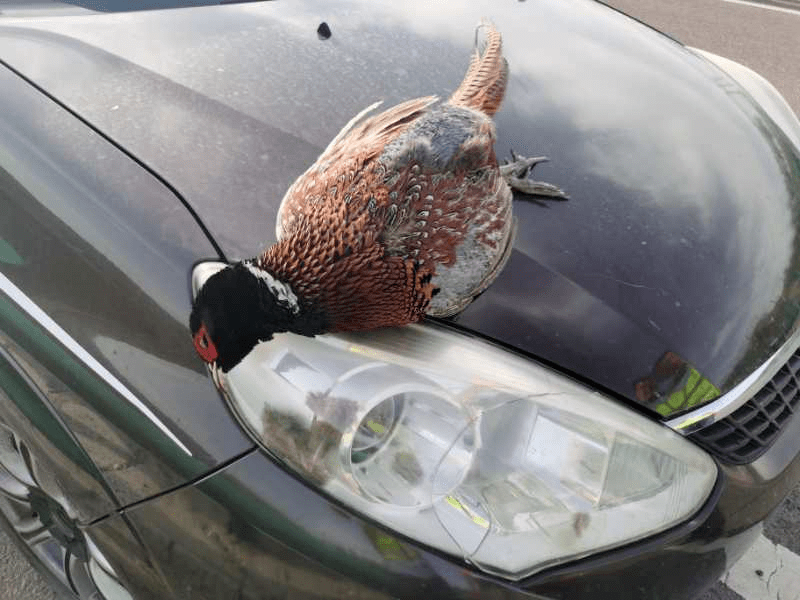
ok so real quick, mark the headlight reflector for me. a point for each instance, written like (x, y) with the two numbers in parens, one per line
(466, 447)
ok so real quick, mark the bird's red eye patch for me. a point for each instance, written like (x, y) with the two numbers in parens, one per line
(204, 346)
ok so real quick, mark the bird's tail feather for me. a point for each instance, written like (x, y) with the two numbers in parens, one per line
(485, 82)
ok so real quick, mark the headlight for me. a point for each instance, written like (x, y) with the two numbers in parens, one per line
(466, 447)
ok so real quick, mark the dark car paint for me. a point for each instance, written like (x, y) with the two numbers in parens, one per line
(581, 289)
(680, 232)
(105, 250)
(254, 528)
(72, 472)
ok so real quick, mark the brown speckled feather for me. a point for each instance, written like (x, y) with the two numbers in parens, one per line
(400, 203)
(484, 84)
(335, 170)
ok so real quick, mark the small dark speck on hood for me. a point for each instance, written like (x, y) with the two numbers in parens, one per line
(323, 31)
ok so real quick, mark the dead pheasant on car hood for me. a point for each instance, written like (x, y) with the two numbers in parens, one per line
(405, 213)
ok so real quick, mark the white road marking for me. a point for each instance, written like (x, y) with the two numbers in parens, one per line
(767, 571)
(794, 11)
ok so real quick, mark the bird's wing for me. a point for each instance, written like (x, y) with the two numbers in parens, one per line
(369, 135)
(359, 141)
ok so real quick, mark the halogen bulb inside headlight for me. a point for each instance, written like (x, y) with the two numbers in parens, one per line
(375, 430)
(408, 447)
(467, 448)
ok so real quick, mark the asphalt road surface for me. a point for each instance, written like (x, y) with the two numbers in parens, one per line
(17, 580)
(765, 36)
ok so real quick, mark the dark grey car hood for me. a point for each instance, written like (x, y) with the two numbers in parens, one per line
(680, 235)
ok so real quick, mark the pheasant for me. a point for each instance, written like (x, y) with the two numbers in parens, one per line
(405, 213)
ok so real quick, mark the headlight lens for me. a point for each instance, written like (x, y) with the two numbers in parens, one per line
(466, 447)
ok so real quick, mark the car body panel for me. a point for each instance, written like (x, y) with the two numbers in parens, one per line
(126, 138)
(258, 530)
(127, 558)
(680, 235)
(748, 494)
(27, 418)
(95, 285)
(255, 527)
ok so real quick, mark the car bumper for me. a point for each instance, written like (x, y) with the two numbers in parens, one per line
(252, 530)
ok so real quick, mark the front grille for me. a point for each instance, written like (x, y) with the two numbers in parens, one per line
(750, 430)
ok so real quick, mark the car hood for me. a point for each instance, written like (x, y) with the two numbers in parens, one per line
(678, 244)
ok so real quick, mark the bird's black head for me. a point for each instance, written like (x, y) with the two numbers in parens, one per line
(242, 305)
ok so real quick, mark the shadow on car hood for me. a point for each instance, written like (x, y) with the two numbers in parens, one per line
(678, 245)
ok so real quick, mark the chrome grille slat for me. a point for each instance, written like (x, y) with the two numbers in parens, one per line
(750, 430)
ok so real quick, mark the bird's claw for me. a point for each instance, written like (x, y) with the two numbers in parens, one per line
(517, 173)
(520, 166)
(537, 188)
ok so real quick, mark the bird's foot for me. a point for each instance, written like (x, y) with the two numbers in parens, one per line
(517, 173)
(520, 166)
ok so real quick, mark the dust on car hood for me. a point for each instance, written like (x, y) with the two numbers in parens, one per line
(675, 258)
